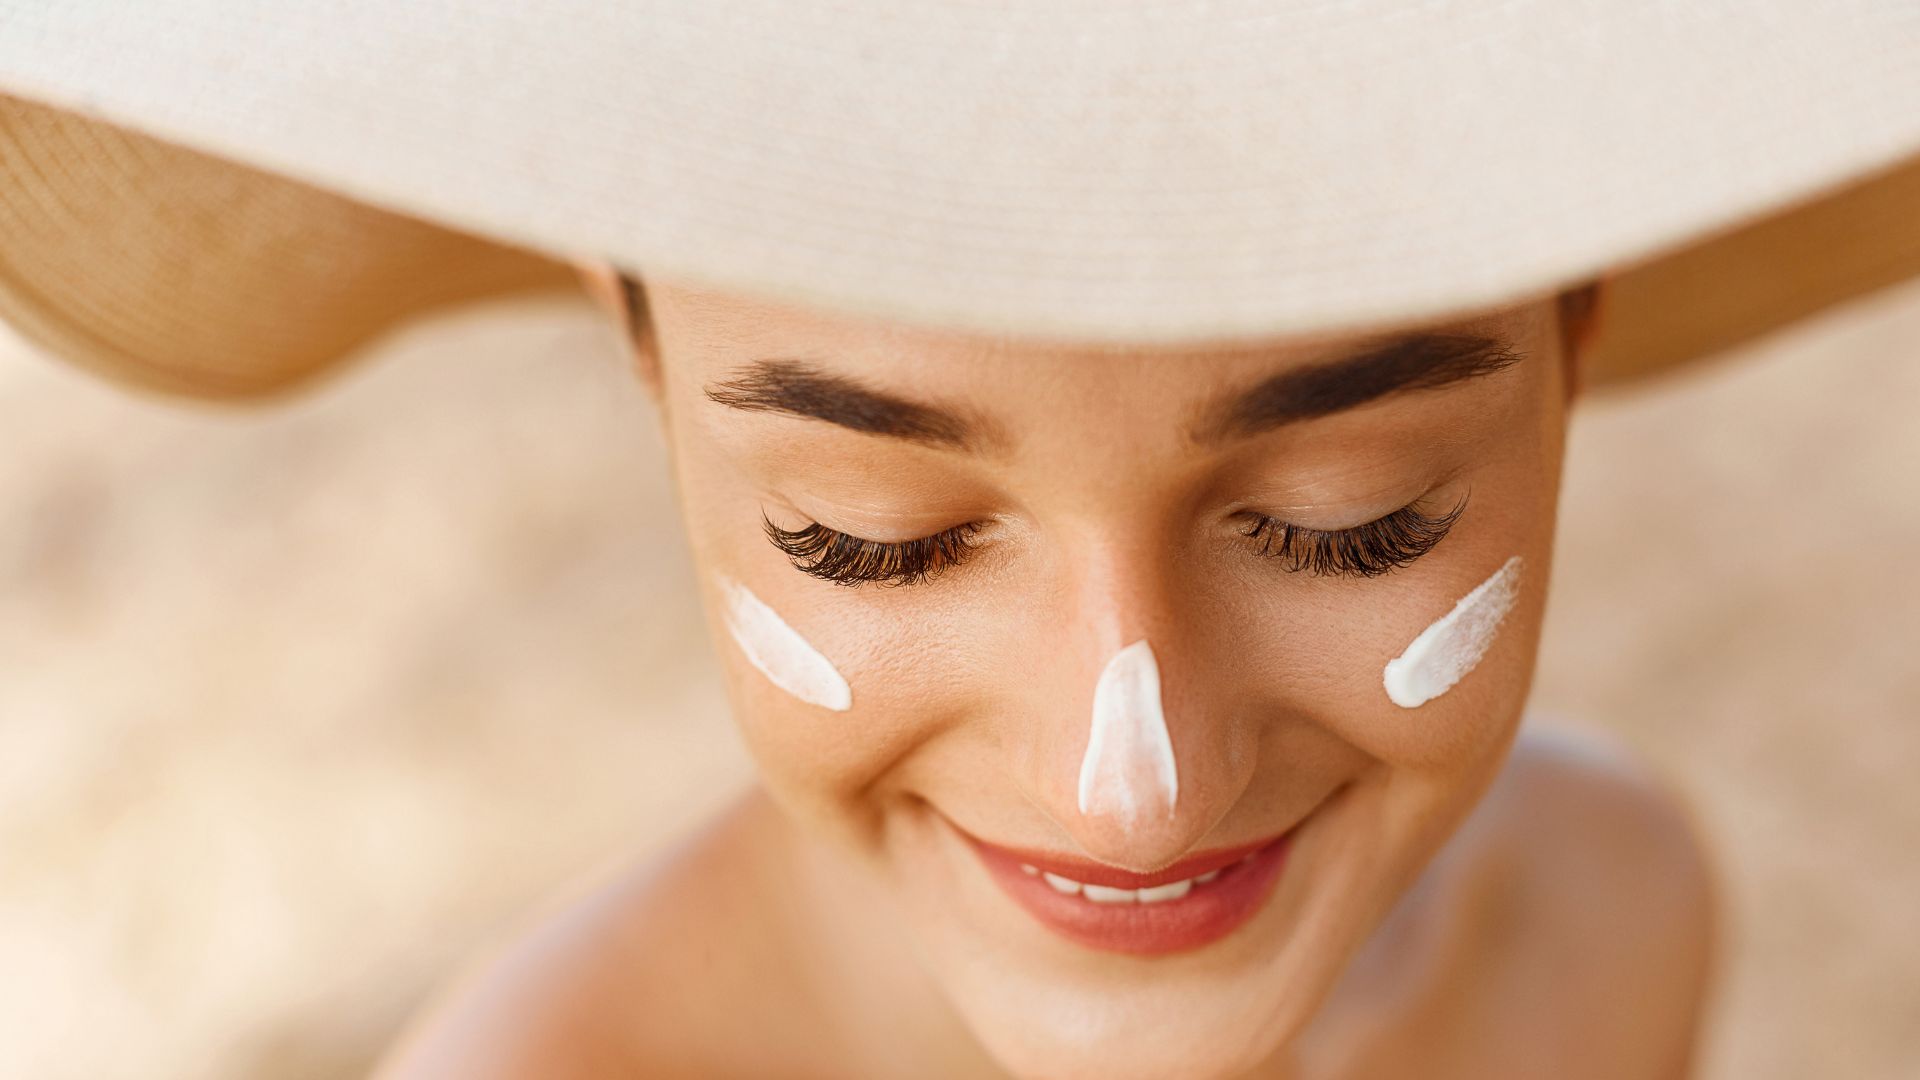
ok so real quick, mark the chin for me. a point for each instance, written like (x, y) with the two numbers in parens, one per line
(1144, 1034)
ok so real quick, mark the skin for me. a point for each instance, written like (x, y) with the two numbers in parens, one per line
(1457, 901)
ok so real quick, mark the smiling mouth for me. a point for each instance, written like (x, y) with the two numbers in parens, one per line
(1192, 903)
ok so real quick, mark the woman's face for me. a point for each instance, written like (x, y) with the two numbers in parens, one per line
(1119, 617)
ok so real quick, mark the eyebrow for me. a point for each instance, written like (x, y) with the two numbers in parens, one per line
(1424, 361)
(799, 389)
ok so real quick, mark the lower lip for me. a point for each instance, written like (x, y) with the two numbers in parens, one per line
(1209, 912)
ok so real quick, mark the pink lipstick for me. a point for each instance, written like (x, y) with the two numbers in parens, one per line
(1194, 902)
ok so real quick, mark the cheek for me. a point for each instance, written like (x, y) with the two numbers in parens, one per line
(1455, 643)
(1449, 644)
(1314, 655)
(779, 652)
(830, 689)
(1447, 667)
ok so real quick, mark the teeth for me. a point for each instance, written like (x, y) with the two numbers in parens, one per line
(1106, 894)
(1172, 890)
(1029, 870)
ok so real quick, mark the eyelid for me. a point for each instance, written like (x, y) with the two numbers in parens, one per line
(1355, 500)
(872, 523)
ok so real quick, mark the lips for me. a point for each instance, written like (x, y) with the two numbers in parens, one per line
(1192, 903)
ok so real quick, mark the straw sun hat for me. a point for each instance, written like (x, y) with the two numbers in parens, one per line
(225, 197)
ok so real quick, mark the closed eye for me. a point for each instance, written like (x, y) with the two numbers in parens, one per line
(1367, 550)
(850, 560)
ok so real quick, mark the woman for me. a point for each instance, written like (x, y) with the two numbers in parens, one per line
(1071, 677)
(1119, 449)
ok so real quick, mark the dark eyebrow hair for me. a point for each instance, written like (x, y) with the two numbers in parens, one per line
(1415, 362)
(1423, 361)
(798, 389)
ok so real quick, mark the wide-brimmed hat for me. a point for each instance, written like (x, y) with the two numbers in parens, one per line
(224, 197)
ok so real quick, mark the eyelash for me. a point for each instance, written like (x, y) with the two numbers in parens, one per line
(849, 560)
(1367, 550)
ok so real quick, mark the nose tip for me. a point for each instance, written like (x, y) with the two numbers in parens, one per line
(1129, 782)
(1128, 769)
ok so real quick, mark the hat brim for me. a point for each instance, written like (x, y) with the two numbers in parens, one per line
(1141, 173)
(182, 273)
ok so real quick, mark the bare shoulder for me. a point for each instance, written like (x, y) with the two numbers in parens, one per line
(1590, 815)
(1608, 904)
(639, 970)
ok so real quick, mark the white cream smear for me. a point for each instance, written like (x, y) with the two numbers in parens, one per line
(781, 654)
(1128, 767)
(1444, 652)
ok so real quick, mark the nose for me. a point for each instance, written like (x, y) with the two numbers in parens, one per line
(1128, 771)
(1143, 755)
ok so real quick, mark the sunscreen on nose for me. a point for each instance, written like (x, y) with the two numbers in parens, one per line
(1128, 769)
(1444, 652)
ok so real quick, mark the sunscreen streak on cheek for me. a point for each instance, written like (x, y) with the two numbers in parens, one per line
(781, 654)
(1444, 652)
(1128, 767)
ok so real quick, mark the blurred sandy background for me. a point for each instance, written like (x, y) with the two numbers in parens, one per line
(299, 706)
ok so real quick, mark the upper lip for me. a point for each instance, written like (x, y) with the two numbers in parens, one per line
(1089, 872)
